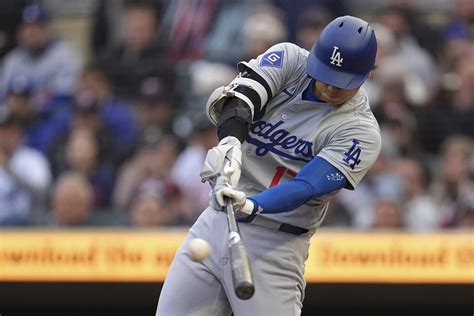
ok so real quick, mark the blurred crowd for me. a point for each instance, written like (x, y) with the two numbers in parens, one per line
(117, 137)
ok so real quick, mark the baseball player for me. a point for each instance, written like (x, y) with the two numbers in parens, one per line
(296, 128)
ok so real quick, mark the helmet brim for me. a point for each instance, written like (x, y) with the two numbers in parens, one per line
(331, 76)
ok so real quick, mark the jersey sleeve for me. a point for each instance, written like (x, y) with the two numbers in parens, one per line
(278, 65)
(353, 150)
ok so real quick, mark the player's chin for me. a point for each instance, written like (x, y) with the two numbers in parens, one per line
(334, 100)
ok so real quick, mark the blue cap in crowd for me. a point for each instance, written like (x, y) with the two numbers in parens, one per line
(34, 13)
(20, 85)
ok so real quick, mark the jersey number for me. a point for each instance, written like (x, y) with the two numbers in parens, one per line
(280, 171)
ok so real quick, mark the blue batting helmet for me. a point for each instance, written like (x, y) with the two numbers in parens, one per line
(344, 54)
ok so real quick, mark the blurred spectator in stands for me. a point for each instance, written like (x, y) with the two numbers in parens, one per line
(10, 19)
(154, 111)
(453, 113)
(419, 23)
(380, 183)
(454, 178)
(50, 64)
(72, 200)
(295, 9)
(465, 214)
(85, 116)
(24, 174)
(418, 62)
(261, 30)
(420, 212)
(152, 161)
(154, 205)
(204, 77)
(310, 24)
(186, 26)
(387, 215)
(93, 96)
(224, 42)
(457, 44)
(107, 16)
(185, 172)
(80, 153)
(37, 128)
(139, 55)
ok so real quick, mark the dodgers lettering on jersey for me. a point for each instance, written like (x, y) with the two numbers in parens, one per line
(289, 131)
(273, 137)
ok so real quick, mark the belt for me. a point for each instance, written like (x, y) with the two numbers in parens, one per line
(275, 225)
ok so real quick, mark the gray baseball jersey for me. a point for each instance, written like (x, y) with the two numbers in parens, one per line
(286, 134)
(289, 131)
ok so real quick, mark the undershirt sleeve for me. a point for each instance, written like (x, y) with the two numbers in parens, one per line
(317, 178)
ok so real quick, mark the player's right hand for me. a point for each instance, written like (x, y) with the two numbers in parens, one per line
(223, 159)
(224, 192)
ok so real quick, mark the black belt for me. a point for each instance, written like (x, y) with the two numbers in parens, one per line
(274, 225)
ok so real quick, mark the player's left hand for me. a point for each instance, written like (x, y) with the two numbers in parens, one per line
(223, 191)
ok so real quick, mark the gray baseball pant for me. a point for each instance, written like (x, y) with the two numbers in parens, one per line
(205, 288)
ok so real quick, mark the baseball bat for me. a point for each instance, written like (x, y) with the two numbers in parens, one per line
(239, 260)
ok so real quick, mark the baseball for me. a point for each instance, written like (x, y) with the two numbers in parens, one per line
(198, 249)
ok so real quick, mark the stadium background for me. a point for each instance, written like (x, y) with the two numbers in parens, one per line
(102, 134)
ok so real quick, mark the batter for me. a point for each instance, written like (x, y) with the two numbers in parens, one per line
(295, 127)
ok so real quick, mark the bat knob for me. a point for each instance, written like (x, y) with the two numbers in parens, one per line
(245, 290)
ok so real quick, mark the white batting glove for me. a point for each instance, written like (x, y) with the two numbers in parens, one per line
(223, 191)
(223, 159)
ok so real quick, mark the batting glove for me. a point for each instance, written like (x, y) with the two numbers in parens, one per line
(223, 159)
(224, 191)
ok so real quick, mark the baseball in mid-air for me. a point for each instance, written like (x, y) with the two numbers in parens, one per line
(198, 249)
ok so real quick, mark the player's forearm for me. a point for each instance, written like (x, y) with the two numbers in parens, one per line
(316, 179)
(234, 120)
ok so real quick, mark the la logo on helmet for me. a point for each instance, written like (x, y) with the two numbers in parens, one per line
(336, 58)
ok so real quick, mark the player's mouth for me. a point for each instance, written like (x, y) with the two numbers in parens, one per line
(331, 97)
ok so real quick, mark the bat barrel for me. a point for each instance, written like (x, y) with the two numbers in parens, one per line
(240, 263)
(241, 272)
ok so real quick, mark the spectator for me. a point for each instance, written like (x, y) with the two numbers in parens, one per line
(106, 17)
(464, 218)
(186, 26)
(139, 55)
(310, 25)
(454, 180)
(261, 30)
(85, 116)
(417, 60)
(154, 111)
(116, 118)
(37, 128)
(454, 112)
(81, 154)
(153, 206)
(380, 183)
(387, 215)
(185, 172)
(71, 200)
(24, 174)
(48, 62)
(419, 210)
(224, 42)
(151, 162)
